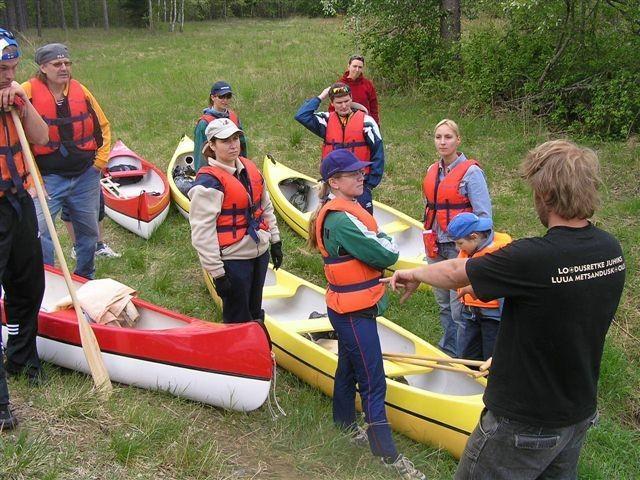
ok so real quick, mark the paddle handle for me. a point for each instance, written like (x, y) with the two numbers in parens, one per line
(87, 337)
(459, 361)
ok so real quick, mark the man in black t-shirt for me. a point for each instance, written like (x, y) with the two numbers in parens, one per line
(561, 292)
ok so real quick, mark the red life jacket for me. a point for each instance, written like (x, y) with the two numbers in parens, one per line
(499, 240)
(353, 285)
(210, 118)
(349, 136)
(443, 198)
(13, 168)
(81, 118)
(241, 212)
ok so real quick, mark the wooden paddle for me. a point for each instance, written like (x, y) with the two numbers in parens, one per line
(460, 361)
(431, 364)
(87, 337)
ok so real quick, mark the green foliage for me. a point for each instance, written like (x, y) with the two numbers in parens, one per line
(403, 38)
(572, 61)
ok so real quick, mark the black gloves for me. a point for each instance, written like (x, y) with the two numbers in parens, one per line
(276, 255)
(223, 286)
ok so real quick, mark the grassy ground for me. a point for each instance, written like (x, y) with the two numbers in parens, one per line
(152, 86)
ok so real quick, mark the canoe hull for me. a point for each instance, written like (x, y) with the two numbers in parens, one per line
(228, 366)
(140, 207)
(182, 156)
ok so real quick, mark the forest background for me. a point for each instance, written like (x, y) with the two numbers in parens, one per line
(512, 73)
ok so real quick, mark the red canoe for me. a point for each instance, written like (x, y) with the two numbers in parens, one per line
(136, 192)
(229, 366)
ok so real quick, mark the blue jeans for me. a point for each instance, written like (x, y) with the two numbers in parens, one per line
(360, 361)
(477, 334)
(244, 304)
(80, 196)
(450, 306)
(503, 449)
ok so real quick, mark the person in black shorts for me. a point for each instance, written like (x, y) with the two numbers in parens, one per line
(561, 292)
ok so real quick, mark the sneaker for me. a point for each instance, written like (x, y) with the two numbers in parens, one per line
(358, 437)
(73, 252)
(7, 419)
(405, 468)
(104, 250)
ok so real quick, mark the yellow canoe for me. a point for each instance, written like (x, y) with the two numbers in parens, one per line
(285, 184)
(182, 157)
(431, 406)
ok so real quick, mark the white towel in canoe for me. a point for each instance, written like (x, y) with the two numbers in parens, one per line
(105, 301)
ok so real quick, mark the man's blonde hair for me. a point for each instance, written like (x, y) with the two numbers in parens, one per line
(565, 177)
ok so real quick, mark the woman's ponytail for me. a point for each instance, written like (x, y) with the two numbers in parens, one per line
(323, 194)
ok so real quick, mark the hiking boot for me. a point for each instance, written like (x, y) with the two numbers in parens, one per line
(104, 250)
(405, 468)
(358, 437)
(7, 419)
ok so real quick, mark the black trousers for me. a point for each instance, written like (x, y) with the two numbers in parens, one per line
(22, 277)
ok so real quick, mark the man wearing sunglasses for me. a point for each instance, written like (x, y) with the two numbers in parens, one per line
(21, 270)
(219, 100)
(346, 128)
(78, 149)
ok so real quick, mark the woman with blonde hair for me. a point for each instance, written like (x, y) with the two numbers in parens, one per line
(454, 184)
(355, 254)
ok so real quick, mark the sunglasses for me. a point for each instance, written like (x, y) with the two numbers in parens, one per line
(61, 63)
(340, 91)
(226, 96)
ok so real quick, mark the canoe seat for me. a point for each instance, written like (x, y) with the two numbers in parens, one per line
(277, 291)
(396, 226)
(310, 325)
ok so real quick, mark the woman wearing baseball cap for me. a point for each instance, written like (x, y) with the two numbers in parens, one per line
(219, 100)
(355, 254)
(233, 226)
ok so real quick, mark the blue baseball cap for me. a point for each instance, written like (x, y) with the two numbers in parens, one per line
(220, 88)
(340, 161)
(7, 39)
(464, 224)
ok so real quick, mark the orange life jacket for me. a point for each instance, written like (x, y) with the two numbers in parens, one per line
(350, 136)
(443, 198)
(241, 212)
(210, 118)
(499, 240)
(81, 118)
(13, 168)
(353, 285)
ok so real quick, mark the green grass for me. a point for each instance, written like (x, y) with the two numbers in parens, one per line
(152, 86)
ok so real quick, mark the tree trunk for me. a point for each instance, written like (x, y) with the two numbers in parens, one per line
(164, 2)
(450, 20)
(150, 3)
(12, 22)
(181, 16)
(76, 16)
(105, 14)
(39, 18)
(63, 20)
(21, 15)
